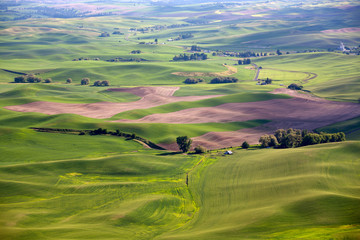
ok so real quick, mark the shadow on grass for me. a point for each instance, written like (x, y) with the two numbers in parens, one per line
(169, 153)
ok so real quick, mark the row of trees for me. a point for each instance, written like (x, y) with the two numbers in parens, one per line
(30, 79)
(35, 79)
(101, 83)
(296, 138)
(224, 80)
(194, 56)
(239, 54)
(98, 83)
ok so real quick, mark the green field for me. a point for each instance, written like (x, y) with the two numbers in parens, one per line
(71, 186)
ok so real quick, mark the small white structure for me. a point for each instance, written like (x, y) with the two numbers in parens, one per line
(229, 152)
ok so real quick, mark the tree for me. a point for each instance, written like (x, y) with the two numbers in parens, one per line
(199, 149)
(97, 83)
(240, 62)
(245, 145)
(294, 86)
(278, 52)
(273, 141)
(19, 79)
(156, 40)
(104, 34)
(184, 143)
(265, 140)
(48, 80)
(69, 80)
(105, 83)
(33, 79)
(85, 81)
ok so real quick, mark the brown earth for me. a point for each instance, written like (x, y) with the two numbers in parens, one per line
(231, 70)
(150, 97)
(303, 112)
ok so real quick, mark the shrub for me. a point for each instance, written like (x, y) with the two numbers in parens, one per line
(294, 86)
(199, 149)
(97, 83)
(245, 145)
(105, 83)
(193, 80)
(48, 80)
(85, 81)
(69, 80)
(19, 79)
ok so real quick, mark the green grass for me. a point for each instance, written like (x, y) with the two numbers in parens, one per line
(62, 186)
(27, 146)
(304, 193)
(131, 196)
(62, 93)
(337, 73)
(350, 127)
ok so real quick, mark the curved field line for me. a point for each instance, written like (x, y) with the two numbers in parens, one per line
(310, 75)
(231, 70)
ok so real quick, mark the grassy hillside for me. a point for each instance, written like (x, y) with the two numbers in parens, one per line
(305, 193)
(67, 186)
(126, 196)
(337, 74)
(120, 190)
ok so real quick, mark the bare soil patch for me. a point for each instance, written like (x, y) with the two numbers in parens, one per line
(150, 97)
(303, 112)
(231, 70)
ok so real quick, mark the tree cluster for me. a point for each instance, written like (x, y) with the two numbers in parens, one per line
(244, 62)
(183, 36)
(99, 83)
(224, 80)
(265, 81)
(193, 80)
(27, 78)
(117, 33)
(291, 138)
(119, 59)
(194, 56)
(239, 54)
(135, 51)
(294, 86)
(85, 59)
(104, 34)
(195, 48)
(157, 28)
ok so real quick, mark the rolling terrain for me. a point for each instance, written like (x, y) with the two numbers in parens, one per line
(69, 184)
